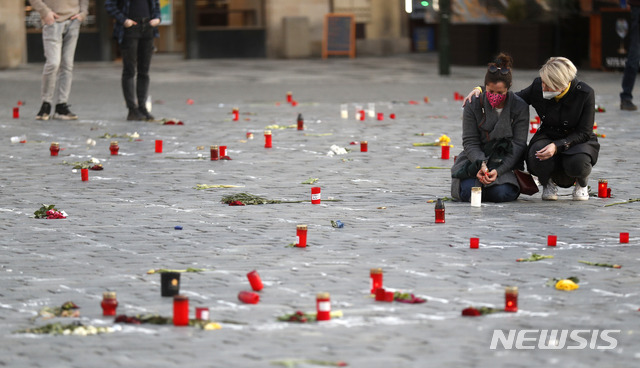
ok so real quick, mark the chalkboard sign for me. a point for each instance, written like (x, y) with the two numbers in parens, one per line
(339, 35)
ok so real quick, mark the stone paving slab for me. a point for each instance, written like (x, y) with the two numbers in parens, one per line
(121, 222)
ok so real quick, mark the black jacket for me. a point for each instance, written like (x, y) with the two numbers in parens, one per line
(567, 122)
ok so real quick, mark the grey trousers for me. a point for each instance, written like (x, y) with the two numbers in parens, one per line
(59, 40)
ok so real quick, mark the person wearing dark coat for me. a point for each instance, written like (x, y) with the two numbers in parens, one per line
(565, 148)
(494, 138)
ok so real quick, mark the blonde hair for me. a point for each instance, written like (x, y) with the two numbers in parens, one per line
(558, 72)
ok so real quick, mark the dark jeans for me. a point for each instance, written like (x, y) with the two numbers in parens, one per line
(137, 47)
(494, 193)
(633, 56)
(563, 169)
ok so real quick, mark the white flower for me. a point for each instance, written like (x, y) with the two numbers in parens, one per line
(134, 135)
(95, 160)
(66, 332)
(338, 150)
(91, 142)
(64, 214)
(80, 331)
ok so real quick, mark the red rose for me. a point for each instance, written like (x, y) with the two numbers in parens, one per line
(471, 312)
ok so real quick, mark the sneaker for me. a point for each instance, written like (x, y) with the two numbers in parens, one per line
(45, 112)
(144, 112)
(550, 191)
(580, 193)
(134, 114)
(627, 105)
(63, 112)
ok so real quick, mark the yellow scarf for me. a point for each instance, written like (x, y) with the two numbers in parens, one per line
(558, 97)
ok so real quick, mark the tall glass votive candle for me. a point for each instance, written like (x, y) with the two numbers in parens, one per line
(511, 299)
(439, 211)
(476, 196)
(300, 122)
(180, 310)
(376, 279)
(364, 146)
(109, 303)
(301, 236)
(249, 297)
(255, 280)
(602, 188)
(552, 240)
(316, 196)
(222, 150)
(215, 153)
(16, 113)
(202, 313)
(474, 243)
(54, 149)
(344, 111)
(323, 306)
(114, 148)
(158, 146)
(444, 151)
(624, 237)
(84, 174)
(236, 114)
(267, 139)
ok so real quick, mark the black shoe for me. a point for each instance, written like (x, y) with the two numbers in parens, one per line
(63, 112)
(134, 114)
(627, 105)
(147, 116)
(45, 112)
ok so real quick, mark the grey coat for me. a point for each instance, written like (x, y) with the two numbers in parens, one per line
(481, 124)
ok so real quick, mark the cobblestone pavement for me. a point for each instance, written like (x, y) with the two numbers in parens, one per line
(121, 223)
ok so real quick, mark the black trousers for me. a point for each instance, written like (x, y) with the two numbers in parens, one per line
(137, 47)
(563, 169)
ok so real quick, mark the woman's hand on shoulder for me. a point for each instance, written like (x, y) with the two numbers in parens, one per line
(474, 93)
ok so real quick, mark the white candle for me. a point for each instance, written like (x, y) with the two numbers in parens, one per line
(476, 196)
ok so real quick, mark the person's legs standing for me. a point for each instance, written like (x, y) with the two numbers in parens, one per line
(129, 49)
(52, 44)
(70, 36)
(633, 58)
(145, 50)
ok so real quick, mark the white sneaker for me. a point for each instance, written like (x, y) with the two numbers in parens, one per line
(550, 191)
(580, 193)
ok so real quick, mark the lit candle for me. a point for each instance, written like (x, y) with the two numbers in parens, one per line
(222, 151)
(84, 174)
(267, 139)
(602, 188)
(344, 111)
(254, 280)
(180, 310)
(169, 283)
(16, 112)
(474, 243)
(511, 299)
(301, 235)
(316, 197)
(552, 240)
(392, 116)
(323, 306)
(444, 151)
(114, 148)
(215, 156)
(361, 115)
(289, 97)
(202, 313)
(371, 109)
(300, 122)
(158, 146)
(236, 114)
(476, 196)
(364, 146)
(248, 297)
(376, 279)
(380, 116)
(54, 148)
(624, 237)
(439, 211)
(109, 303)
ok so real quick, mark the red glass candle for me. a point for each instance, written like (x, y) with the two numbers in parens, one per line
(214, 153)
(109, 303)
(202, 313)
(552, 240)
(364, 146)
(380, 294)
(254, 280)
(392, 116)
(114, 148)
(267, 139)
(84, 174)
(301, 235)
(380, 116)
(300, 122)
(158, 146)
(289, 97)
(223, 151)
(323, 306)
(444, 154)
(624, 237)
(602, 188)
(16, 112)
(474, 243)
(180, 310)
(361, 115)
(54, 148)
(439, 211)
(376, 279)
(511, 299)
(248, 297)
(236, 114)
(316, 197)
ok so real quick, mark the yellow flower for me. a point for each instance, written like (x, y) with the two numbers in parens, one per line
(444, 140)
(566, 285)
(212, 326)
